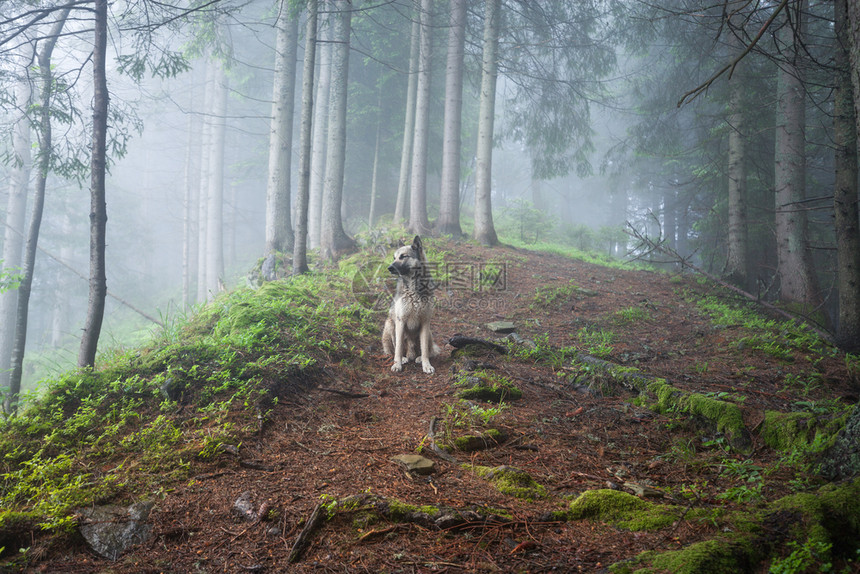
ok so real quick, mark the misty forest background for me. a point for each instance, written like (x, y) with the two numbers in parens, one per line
(723, 131)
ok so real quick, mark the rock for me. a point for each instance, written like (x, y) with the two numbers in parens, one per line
(111, 530)
(244, 507)
(643, 491)
(502, 327)
(842, 460)
(415, 463)
(172, 389)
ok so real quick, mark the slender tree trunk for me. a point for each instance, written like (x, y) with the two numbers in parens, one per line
(449, 195)
(203, 182)
(400, 205)
(418, 222)
(215, 208)
(485, 231)
(190, 198)
(845, 197)
(737, 267)
(279, 232)
(797, 278)
(13, 235)
(98, 205)
(334, 241)
(320, 129)
(300, 251)
(374, 179)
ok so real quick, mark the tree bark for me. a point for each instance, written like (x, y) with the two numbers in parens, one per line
(320, 130)
(409, 121)
(190, 199)
(797, 279)
(449, 194)
(16, 217)
(418, 222)
(279, 232)
(98, 206)
(845, 198)
(334, 240)
(215, 201)
(300, 251)
(485, 231)
(203, 182)
(737, 266)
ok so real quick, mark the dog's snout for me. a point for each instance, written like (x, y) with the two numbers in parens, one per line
(392, 268)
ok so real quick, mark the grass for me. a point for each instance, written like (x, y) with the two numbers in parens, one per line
(201, 382)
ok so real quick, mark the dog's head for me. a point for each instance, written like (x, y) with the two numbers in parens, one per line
(408, 258)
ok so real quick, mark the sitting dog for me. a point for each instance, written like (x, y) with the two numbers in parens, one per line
(407, 328)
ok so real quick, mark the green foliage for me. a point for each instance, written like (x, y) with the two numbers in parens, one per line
(202, 382)
(596, 342)
(803, 558)
(520, 219)
(630, 315)
(9, 278)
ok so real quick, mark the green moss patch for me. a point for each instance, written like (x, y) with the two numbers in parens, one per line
(622, 510)
(488, 387)
(799, 431)
(511, 481)
(827, 520)
(726, 417)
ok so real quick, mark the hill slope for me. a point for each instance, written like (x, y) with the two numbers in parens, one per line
(656, 414)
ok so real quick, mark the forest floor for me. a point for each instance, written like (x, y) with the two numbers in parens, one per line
(330, 439)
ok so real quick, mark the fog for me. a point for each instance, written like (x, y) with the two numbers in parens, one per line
(630, 154)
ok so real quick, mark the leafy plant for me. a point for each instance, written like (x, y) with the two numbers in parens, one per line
(597, 342)
(810, 554)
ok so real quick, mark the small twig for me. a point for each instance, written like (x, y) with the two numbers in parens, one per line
(346, 394)
(302, 540)
(431, 434)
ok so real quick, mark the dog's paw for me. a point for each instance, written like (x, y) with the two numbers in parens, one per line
(428, 368)
(419, 360)
(397, 367)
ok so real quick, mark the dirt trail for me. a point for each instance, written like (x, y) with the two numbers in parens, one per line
(324, 446)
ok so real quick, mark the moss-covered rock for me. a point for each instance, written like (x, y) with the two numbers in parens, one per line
(726, 417)
(842, 458)
(621, 509)
(511, 481)
(829, 519)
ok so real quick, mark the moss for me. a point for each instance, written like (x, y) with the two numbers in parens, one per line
(511, 481)
(709, 557)
(398, 510)
(725, 416)
(798, 431)
(621, 509)
(828, 518)
(470, 443)
(489, 387)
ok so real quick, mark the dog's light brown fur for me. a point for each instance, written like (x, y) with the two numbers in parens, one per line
(407, 328)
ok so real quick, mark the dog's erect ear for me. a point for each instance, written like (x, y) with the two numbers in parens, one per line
(417, 247)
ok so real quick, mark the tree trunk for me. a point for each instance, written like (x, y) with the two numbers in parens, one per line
(13, 235)
(203, 182)
(797, 278)
(418, 222)
(485, 231)
(333, 240)
(737, 267)
(300, 251)
(279, 232)
(449, 195)
(845, 130)
(215, 202)
(320, 131)
(409, 122)
(190, 199)
(374, 178)
(98, 206)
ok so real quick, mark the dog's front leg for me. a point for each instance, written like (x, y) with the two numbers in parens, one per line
(399, 342)
(426, 348)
